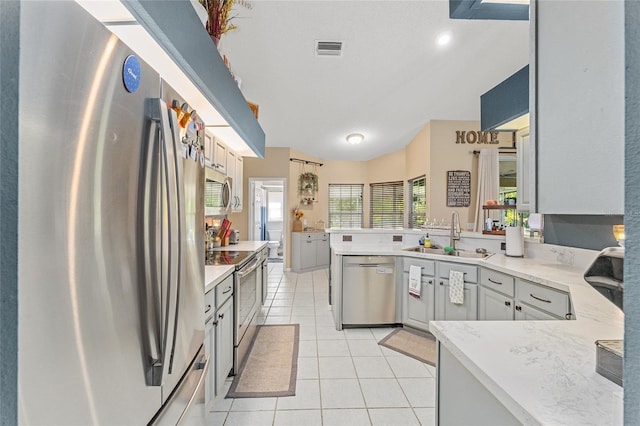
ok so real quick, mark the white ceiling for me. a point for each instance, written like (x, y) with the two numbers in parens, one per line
(391, 80)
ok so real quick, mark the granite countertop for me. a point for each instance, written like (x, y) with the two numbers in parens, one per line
(542, 371)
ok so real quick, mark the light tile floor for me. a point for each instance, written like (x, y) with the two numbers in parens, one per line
(344, 377)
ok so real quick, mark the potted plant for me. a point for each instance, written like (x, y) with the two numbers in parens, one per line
(219, 17)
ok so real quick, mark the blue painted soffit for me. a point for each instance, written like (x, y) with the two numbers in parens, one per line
(476, 9)
(178, 29)
(506, 101)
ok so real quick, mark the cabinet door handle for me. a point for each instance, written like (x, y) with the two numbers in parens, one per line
(537, 298)
(227, 290)
(430, 281)
(518, 308)
(495, 282)
(441, 282)
(215, 322)
(207, 309)
(507, 303)
(221, 316)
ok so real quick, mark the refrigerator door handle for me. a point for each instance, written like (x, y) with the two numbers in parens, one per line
(148, 218)
(170, 284)
(179, 221)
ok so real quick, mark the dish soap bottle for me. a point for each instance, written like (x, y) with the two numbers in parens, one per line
(427, 241)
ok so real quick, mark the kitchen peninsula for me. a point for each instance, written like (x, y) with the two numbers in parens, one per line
(535, 372)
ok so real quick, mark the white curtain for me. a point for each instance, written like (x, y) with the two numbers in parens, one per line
(488, 183)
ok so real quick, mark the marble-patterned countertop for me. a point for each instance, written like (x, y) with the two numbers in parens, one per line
(214, 275)
(543, 372)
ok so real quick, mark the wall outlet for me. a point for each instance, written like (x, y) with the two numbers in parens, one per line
(503, 246)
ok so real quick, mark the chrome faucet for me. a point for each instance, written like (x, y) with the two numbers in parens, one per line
(455, 230)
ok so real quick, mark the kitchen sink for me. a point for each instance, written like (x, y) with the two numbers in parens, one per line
(434, 249)
(477, 254)
(470, 254)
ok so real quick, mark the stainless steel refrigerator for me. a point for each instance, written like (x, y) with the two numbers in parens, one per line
(111, 250)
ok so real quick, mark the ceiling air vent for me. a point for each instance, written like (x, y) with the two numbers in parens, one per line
(328, 48)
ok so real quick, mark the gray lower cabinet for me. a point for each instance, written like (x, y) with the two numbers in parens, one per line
(547, 300)
(417, 312)
(224, 344)
(445, 310)
(309, 251)
(494, 306)
(218, 338)
(527, 313)
(503, 297)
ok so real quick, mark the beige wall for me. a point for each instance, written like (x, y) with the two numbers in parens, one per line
(448, 155)
(432, 152)
(275, 164)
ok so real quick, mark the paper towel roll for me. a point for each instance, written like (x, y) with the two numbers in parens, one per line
(515, 241)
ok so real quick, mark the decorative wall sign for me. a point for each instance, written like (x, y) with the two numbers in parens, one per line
(479, 137)
(458, 188)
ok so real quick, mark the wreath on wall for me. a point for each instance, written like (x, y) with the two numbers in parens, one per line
(308, 181)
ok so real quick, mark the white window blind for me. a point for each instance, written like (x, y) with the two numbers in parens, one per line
(345, 205)
(417, 202)
(387, 205)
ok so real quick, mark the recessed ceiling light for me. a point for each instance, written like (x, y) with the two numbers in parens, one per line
(355, 138)
(443, 39)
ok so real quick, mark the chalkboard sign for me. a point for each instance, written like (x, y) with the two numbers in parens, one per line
(458, 188)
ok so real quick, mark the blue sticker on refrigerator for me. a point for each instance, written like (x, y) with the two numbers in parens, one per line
(131, 73)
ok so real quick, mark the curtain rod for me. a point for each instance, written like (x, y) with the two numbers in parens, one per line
(299, 160)
(507, 149)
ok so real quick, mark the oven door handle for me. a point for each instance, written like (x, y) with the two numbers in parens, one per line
(246, 270)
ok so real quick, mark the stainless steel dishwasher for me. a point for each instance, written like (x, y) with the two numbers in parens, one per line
(368, 290)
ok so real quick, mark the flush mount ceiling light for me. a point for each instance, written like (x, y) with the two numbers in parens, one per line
(443, 39)
(355, 138)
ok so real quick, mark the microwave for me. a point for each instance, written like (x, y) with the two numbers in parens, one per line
(217, 193)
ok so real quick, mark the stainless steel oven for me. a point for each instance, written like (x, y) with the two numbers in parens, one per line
(246, 303)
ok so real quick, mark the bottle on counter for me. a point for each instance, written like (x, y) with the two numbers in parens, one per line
(427, 241)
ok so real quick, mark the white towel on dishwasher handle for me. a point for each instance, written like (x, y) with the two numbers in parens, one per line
(415, 273)
(456, 287)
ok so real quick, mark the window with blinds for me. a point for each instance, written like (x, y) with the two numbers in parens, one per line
(417, 202)
(345, 206)
(387, 205)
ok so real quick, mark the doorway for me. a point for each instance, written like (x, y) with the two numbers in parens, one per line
(267, 218)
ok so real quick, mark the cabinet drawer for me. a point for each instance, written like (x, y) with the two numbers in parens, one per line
(470, 272)
(428, 266)
(545, 298)
(209, 305)
(224, 290)
(498, 281)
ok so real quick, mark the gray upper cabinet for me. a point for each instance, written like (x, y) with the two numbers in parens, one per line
(579, 129)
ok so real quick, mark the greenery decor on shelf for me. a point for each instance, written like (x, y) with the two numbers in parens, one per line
(219, 15)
